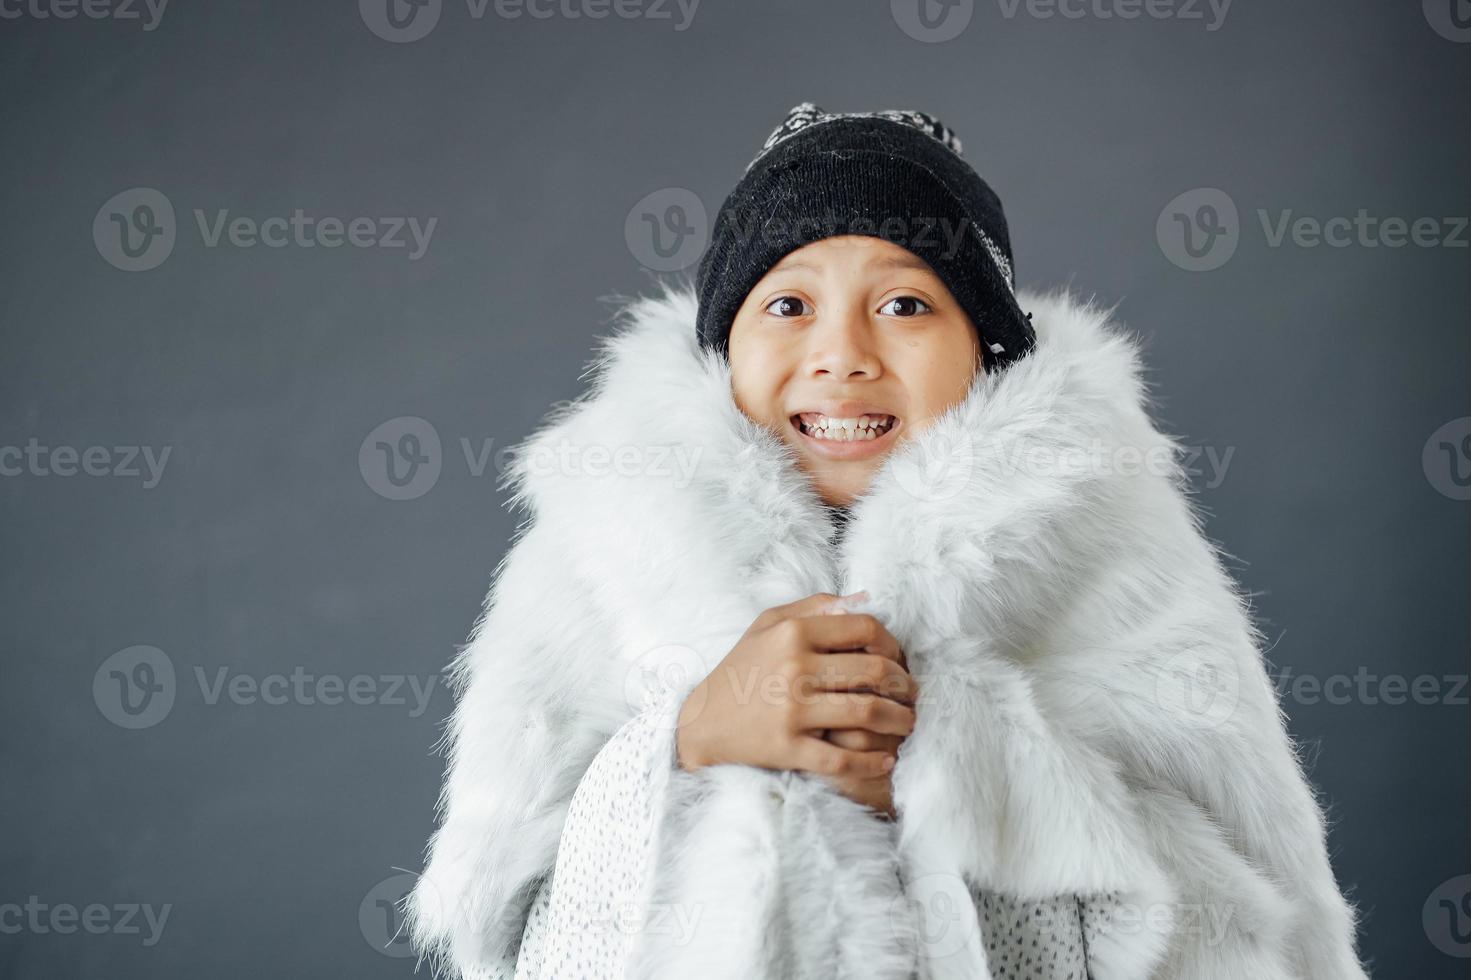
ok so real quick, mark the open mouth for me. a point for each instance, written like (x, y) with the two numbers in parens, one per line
(846, 438)
(862, 428)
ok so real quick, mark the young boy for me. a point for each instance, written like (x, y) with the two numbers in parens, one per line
(1038, 743)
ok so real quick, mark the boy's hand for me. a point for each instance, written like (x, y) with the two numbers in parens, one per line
(799, 670)
(877, 793)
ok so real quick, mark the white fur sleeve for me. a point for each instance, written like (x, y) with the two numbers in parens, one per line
(772, 874)
(517, 742)
(1225, 798)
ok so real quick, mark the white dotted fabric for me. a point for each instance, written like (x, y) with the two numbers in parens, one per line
(587, 914)
(1033, 940)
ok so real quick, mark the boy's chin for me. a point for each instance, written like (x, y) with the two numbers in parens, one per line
(839, 483)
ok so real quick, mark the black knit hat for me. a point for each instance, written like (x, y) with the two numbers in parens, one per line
(892, 175)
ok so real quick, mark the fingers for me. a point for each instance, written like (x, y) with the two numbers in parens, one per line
(863, 740)
(845, 710)
(813, 605)
(848, 631)
(862, 672)
(816, 756)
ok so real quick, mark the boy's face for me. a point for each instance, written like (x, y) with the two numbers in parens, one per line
(847, 347)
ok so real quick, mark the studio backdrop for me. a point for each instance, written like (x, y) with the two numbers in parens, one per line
(281, 284)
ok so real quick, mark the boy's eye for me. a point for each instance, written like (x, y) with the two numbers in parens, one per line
(905, 306)
(788, 306)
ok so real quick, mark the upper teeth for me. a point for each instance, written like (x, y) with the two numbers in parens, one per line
(862, 427)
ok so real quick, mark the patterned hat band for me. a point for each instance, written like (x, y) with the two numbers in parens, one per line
(799, 117)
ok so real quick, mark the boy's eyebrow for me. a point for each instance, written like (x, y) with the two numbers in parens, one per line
(908, 260)
(793, 266)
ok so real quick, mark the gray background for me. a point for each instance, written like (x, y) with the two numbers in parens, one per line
(267, 548)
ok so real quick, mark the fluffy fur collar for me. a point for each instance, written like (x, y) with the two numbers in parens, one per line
(1096, 717)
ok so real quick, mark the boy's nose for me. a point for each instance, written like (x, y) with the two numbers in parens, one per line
(842, 346)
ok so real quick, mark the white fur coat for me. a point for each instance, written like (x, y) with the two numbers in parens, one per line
(1095, 717)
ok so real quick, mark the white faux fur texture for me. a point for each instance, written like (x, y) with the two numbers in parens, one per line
(1095, 714)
